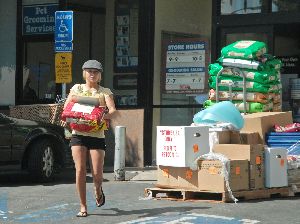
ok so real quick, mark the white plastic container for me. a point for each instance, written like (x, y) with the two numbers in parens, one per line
(276, 167)
(180, 146)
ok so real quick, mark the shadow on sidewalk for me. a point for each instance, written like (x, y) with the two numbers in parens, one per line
(149, 211)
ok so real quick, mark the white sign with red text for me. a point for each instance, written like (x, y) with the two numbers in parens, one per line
(180, 146)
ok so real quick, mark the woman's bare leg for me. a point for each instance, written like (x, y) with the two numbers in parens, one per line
(96, 163)
(79, 154)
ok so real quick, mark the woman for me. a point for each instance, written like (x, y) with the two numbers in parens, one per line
(90, 144)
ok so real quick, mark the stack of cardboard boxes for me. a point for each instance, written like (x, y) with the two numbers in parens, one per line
(245, 149)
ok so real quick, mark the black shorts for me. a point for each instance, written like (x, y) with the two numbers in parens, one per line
(88, 142)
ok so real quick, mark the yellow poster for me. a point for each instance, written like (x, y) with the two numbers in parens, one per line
(63, 67)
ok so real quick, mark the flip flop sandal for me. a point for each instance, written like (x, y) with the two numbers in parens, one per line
(82, 214)
(102, 197)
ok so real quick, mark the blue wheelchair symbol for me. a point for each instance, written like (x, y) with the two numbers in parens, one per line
(62, 27)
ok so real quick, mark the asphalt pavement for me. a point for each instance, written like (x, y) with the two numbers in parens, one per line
(24, 202)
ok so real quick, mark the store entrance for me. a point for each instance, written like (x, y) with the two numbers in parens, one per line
(38, 58)
(287, 48)
(283, 43)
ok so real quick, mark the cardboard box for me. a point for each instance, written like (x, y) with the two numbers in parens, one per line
(244, 137)
(223, 137)
(180, 146)
(177, 177)
(167, 176)
(263, 122)
(253, 153)
(185, 178)
(211, 179)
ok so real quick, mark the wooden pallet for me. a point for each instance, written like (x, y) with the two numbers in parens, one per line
(183, 194)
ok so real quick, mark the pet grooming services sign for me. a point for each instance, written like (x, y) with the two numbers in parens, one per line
(185, 66)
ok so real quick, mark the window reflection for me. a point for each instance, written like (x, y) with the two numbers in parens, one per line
(176, 116)
(285, 5)
(232, 37)
(240, 6)
(38, 73)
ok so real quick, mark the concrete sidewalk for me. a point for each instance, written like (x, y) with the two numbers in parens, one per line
(133, 174)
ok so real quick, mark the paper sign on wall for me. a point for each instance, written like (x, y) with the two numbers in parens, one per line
(63, 67)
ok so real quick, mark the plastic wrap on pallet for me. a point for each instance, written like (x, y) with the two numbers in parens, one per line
(225, 168)
(293, 162)
(294, 149)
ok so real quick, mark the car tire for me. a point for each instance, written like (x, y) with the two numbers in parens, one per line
(41, 161)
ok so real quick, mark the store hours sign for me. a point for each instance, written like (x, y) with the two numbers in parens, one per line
(39, 19)
(185, 66)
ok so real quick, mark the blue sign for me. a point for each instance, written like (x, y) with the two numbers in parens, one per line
(63, 46)
(39, 19)
(63, 26)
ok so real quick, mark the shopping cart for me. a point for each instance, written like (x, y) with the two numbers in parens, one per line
(230, 84)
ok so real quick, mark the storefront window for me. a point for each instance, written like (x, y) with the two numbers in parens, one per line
(232, 37)
(287, 49)
(240, 6)
(39, 81)
(285, 6)
(38, 22)
(126, 34)
(176, 116)
(38, 73)
(126, 52)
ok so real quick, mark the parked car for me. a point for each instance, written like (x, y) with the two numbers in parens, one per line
(37, 147)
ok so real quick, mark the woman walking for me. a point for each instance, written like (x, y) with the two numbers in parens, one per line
(90, 144)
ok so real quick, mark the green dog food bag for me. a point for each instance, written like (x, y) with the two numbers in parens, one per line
(277, 107)
(244, 49)
(224, 83)
(265, 76)
(214, 68)
(276, 97)
(241, 63)
(238, 95)
(254, 107)
(251, 107)
(274, 64)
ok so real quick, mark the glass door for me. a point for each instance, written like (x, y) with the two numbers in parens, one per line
(38, 73)
(287, 48)
(258, 33)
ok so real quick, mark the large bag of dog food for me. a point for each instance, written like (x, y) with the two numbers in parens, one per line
(251, 64)
(251, 107)
(238, 95)
(244, 49)
(237, 85)
(250, 74)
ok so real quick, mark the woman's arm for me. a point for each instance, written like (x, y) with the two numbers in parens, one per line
(110, 103)
(68, 99)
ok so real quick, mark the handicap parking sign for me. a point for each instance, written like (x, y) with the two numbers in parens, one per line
(63, 46)
(63, 26)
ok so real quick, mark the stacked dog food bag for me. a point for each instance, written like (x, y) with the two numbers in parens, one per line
(249, 59)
